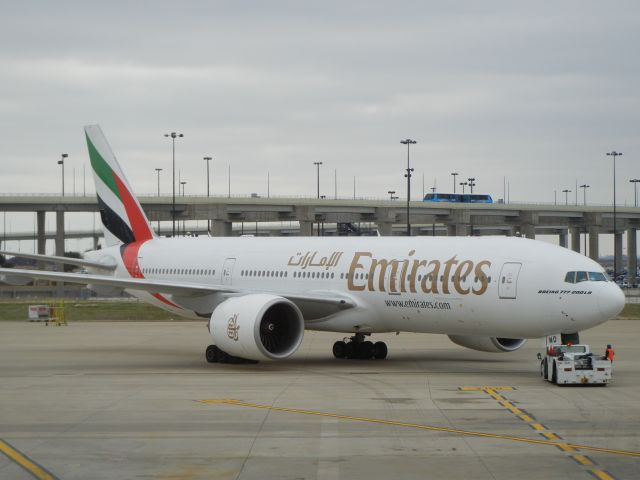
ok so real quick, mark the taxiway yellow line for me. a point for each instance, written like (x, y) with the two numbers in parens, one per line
(602, 475)
(582, 460)
(536, 441)
(573, 451)
(29, 465)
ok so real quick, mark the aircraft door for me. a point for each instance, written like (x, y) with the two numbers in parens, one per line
(508, 282)
(227, 271)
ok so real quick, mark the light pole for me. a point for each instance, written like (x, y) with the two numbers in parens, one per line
(555, 197)
(614, 154)
(635, 191)
(208, 159)
(454, 180)
(566, 196)
(317, 164)
(408, 142)
(471, 184)
(158, 170)
(584, 192)
(463, 184)
(61, 162)
(173, 136)
(183, 183)
(391, 194)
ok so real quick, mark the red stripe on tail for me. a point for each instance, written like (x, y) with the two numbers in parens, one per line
(141, 230)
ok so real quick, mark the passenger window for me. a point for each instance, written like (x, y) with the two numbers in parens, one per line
(581, 277)
(570, 277)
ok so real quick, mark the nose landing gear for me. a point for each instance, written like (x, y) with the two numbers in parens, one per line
(359, 348)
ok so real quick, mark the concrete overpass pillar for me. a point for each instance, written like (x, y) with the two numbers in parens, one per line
(564, 238)
(385, 228)
(60, 248)
(221, 228)
(528, 222)
(528, 231)
(617, 251)
(459, 221)
(40, 225)
(306, 228)
(575, 239)
(457, 230)
(632, 255)
(594, 247)
(60, 233)
(462, 230)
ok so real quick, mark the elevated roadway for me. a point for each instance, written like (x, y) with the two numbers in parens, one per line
(389, 216)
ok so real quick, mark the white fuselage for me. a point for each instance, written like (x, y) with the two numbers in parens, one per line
(485, 286)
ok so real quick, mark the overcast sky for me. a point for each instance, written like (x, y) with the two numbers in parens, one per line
(534, 91)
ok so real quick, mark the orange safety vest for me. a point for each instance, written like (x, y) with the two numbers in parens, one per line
(610, 354)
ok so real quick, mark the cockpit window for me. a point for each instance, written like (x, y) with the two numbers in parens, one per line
(597, 277)
(581, 277)
(577, 277)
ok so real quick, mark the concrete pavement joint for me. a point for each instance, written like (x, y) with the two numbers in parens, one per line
(562, 445)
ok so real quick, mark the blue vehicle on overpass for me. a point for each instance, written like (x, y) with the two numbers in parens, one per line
(458, 198)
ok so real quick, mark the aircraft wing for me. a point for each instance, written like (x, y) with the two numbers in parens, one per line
(184, 289)
(64, 260)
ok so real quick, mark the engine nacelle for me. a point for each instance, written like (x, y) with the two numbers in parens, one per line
(257, 327)
(488, 344)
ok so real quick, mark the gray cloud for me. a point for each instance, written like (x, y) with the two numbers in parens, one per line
(534, 92)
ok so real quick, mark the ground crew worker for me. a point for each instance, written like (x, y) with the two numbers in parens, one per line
(609, 354)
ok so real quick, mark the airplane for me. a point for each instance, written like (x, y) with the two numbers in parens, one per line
(259, 295)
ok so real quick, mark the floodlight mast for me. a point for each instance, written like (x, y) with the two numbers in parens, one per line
(408, 142)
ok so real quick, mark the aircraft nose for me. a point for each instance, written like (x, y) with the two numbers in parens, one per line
(611, 300)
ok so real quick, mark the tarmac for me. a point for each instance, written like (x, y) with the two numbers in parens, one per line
(118, 400)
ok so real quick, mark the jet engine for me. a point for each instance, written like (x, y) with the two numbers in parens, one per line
(257, 327)
(488, 344)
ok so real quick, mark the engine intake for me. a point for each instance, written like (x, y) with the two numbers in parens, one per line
(257, 327)
(488, 344)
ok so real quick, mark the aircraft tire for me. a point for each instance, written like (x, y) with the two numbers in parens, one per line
(350, 350)
(340, 349)
(365, 350)
(380, 350)
(212, 354)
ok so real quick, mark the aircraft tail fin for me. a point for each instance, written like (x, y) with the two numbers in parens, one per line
(123, 219)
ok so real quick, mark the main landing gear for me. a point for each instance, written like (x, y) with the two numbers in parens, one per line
(358, 348)
(214, 355)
